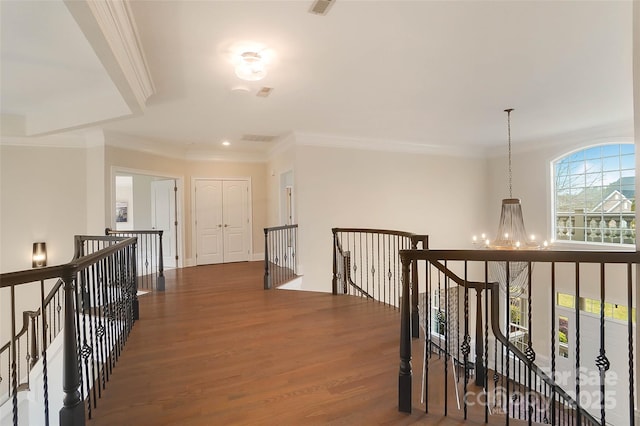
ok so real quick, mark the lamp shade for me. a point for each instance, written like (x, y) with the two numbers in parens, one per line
(39, 255)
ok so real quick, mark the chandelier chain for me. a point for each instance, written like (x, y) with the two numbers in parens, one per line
(508, 111)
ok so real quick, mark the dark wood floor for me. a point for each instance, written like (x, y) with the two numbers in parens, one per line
(216, 349)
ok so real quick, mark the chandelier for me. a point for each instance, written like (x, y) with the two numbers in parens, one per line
(511, 235)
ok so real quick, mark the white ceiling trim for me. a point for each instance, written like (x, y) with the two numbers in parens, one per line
(111, 30)
(163, 149)
(282, 145)
(231, 157)
(62, 140)
(621, 132)
(368, 144)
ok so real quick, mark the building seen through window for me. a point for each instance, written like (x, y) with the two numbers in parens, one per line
(594, 195)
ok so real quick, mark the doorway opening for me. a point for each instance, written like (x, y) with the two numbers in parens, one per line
(147, 201)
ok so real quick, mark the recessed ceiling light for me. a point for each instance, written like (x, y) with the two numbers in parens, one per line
(226, 143)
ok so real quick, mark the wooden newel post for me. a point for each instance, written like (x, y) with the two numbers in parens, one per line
(34, 338)
(72, 411)
(415, 315)
(267, 275)
(160, 285)
(404, 376)
(334, 281)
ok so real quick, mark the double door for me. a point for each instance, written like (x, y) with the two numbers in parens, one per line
(222, 221)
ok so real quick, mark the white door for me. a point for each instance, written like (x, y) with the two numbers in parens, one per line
(222, 221)
(208, 217)
(163, 216)
(235, 201)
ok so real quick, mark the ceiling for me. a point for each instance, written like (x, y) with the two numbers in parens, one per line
(415, 73)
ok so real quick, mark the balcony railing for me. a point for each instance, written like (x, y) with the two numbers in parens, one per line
(613, 228)
(589, 377)
(366, 263)
(280, 255)
(93, 302)
(149, 254)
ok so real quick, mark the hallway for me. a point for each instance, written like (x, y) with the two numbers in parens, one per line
(216, 349)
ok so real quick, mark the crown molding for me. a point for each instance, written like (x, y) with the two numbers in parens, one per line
(619, 132)
(61, 140)
(229, 157)
(149, 146)
(369, 144)
(111, 30)
(172, 150)
(282, 144)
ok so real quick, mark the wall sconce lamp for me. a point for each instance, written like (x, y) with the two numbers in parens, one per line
(39, 256)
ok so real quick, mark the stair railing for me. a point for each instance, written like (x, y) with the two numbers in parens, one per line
(522, 388)
(93, 301)
(280, 251)
(366, 263)
(149, 254)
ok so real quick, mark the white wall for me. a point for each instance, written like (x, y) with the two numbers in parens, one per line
(96, 220)
(43, 198)
(443, 197)
(142, 197)
(282, 162)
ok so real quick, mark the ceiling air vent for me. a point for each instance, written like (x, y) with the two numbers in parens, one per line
(258, 138)
(321, 7)
(264, 92)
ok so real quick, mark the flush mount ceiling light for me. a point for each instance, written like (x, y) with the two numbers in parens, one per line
(226, 143)
(251, 67)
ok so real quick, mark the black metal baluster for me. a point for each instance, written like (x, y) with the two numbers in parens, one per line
(553, 342)
(366, 266)
(109, 313)
(485, 360)
(394, 278)
(577, 328)
(630, 342)
(446, 342)
(529, 353)
(95, 377)
(427, 335)
(101, 332)
(380, 272)
(14, 355)
(466, 348)
(601, 360)
(361, 265)
(45, 376)
(267, 276)
(508, 332)
(85, 348)
(78, 295)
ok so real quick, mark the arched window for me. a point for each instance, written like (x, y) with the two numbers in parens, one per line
(595, 195)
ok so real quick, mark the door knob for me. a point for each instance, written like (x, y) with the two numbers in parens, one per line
(219, 225)
(225, 225)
